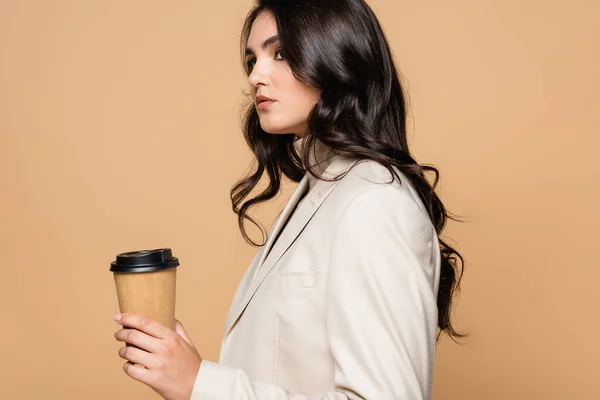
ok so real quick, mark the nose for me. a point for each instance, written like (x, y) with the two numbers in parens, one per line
(260, 74)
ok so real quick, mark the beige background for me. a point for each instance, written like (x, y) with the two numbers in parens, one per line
(119, 130)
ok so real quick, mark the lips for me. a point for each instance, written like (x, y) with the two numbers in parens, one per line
(263, 105)
(261, 98)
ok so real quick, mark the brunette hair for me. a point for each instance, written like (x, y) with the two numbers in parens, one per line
(339, 47)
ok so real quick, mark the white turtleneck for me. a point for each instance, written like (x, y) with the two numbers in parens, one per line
(320, 158)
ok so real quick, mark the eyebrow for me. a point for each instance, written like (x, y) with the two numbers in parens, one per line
(265, 44)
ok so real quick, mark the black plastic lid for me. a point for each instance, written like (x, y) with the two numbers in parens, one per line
(144, 261)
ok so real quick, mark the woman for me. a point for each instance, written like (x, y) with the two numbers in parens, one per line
(344, 298)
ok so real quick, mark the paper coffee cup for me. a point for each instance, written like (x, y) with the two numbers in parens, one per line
(146, 284)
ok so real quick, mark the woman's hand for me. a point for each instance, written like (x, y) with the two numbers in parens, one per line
(170, 358)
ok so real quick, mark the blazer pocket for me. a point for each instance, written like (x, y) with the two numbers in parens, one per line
(292, 280)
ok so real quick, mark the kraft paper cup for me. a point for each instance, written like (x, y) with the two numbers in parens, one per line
(146, 284)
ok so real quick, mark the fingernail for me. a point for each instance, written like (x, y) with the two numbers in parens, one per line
(117, 317)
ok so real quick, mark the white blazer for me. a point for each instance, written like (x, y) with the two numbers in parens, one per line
(342, 305)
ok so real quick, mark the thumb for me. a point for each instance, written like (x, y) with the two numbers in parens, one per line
(181, 332)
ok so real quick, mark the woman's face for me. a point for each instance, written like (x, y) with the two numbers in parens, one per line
(271, 76)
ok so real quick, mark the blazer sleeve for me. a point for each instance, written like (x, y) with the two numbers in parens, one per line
(381, 309)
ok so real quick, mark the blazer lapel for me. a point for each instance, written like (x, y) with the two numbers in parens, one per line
(267, 259)
(283, 216)
(264, 250)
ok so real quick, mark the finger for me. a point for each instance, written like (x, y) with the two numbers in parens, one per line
(139, 339)
(181, 332)
(144, 324)
(137, 372)
(138, 356)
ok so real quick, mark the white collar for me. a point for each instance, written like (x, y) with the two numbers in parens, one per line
(320, 157)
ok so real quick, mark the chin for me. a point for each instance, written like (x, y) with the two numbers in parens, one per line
(274, 130)
(277, 133)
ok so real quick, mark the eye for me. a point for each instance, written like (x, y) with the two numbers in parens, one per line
(280, 52)
(250, 64)
(251, 61)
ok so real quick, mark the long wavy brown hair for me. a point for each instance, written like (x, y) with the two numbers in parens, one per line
(339, 47)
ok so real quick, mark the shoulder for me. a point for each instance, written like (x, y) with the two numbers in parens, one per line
(371, 185)
(380, 218)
